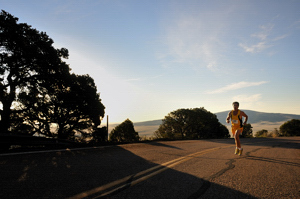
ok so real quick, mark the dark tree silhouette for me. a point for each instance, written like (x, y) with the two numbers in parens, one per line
(74, 108)
(290, 128)
(28, 63)
(191, 124)
(37, 91)
(124, 133)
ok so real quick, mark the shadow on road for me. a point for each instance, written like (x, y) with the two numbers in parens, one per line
(272, 161)
(67, 173)
(286, 142)
(162, 145)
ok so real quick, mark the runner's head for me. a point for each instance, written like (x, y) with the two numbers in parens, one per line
(235, 105)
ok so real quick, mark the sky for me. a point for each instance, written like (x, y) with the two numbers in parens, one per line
(149, 58)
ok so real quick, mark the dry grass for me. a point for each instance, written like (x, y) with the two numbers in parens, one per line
(270, 126)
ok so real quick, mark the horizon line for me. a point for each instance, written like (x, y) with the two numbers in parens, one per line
(213, 113)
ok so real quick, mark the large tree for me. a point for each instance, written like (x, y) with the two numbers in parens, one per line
(75, 107)
(37, 92)
(28, 63)
(191, 124)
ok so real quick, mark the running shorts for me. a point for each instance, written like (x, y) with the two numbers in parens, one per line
(234, 128)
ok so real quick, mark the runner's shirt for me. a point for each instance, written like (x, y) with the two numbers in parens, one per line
(236, 120)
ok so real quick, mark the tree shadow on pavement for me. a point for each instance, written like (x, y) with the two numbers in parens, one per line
(284, 142)
(68, 173)
(162, 145)
(256, 158)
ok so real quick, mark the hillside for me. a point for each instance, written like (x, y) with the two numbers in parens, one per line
(148, 123)
(257, 117)
(254, 117)
(258, 120)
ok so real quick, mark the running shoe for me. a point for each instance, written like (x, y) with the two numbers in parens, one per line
(241, 152)
(236, 151)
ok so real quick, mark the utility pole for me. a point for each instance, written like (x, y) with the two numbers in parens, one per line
(107, 126)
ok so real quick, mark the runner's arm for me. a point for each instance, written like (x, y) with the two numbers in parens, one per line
(244, 115)
(228, 117)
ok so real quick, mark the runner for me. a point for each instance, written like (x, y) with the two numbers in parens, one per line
(236, 117)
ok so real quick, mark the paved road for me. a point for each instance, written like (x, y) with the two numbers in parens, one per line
(269, 168)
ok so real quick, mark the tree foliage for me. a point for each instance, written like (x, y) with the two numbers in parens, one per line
(247, 131)
(124, 133)
(73, 108)
(28, 61)
(262, 133)
(191, 124)
(290, 128)
(37, 91)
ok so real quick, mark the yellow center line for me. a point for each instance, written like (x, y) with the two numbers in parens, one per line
(161, 167)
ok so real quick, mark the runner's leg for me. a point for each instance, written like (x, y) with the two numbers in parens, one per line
(233, 130)
(237, 138)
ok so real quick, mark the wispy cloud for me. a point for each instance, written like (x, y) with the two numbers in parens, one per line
(249, 101)
(280, 37)
(264, 32)
(236, 86)
(262, 36)
(192, 40)
(255, 47)
(296, 24)
(144, 78)
(133, 79)
(156, 76)
(247, 98)
(264, 40)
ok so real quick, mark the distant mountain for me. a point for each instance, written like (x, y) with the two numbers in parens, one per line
(149, 123)
(258, 117)
(258, 120)
(254, 117)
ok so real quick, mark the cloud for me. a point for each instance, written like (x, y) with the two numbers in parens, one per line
(247, 98)
(255, 48)
(296, 24)
(264, 39)
(133, 79)
(280, 37)
(194, 41)
(262, 36)
(236, 86)
(264, 33)
(249, 101)
(144, 78)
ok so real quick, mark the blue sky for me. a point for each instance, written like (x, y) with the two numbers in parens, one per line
(149, 58)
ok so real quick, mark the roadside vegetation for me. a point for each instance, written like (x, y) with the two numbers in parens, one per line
(124, 133)
(265, 133)
(289, 128)
(247, 131)
(196, 123)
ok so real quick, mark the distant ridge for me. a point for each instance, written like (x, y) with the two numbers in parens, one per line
(258, 120)
(149, 123)
(258, 117)
(254, 117)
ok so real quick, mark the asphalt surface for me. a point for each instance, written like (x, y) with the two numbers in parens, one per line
(268, 168)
